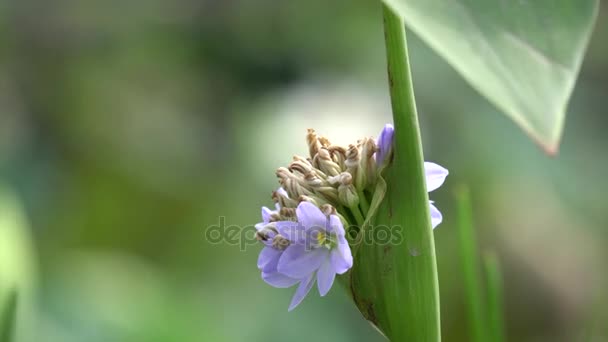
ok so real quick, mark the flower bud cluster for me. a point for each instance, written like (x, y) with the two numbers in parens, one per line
(333, 176)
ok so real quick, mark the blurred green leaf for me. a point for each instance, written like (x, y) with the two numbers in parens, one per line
(496, 320)
(470, 266)
(16, 265)
(524, 56)
(8, 316)
(394, 283)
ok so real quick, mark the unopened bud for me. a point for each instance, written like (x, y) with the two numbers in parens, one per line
(288, 212)
(348, 195)
(313, 142)
(328, 209)
(282, 198)
(280, 243)
(326, 164)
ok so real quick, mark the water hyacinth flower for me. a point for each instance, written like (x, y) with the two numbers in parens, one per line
(305, 237)
(320, 252)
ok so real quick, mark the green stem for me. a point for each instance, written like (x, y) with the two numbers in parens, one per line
(358, 215)
(363, 202)
(496, 327)
(470, 269)
(418, 319)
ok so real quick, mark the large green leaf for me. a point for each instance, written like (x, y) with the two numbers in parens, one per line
(523, 55)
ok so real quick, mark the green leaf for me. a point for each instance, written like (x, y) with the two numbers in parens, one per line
(394, 281)
(8, 315)
(496, 324)
(523, 56)
(17, 268)
(470, 267)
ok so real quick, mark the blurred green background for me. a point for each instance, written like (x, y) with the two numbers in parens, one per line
(128, 128)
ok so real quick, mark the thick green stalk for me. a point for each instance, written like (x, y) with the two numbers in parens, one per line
(470, 267)
(496, 328)
(418, 288)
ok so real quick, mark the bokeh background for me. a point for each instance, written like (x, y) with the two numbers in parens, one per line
(129, 127)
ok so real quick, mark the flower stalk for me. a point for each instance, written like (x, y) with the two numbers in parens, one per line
(416, 317)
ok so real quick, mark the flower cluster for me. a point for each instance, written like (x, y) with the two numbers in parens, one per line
(304, 236)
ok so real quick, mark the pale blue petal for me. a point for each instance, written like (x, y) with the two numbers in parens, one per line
(385, 144)
(341, 257)
(260, 226)
(325, 277)
(310, 216)
(278, 280)
(335, 226)
(292, 231)
(266, 213)
(282, 192)
(436, 216)
(268, 259)
(435, 175)
(298, 262)
(305, 286)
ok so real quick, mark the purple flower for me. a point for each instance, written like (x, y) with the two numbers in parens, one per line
(435, 176)
(274, 245)
(385, 144)
(318, 250)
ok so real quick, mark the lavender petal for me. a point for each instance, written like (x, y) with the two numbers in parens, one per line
(310, 216)
(436, 216)
(341, 257)
(435, 175)
(325, 277)
(385, 144)
(268, 258)
(298, 262)
(292, 231)
(278, 280)
(305, 286)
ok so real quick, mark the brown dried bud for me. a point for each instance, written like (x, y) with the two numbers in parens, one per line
(283, 199)
(301, 165)
(328, 209)
(280, 243)
(338, 155)
(326, 164)
(313, 142)
(288, 212)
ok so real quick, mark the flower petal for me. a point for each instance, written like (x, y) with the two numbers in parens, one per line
(310, 216)
(278, 280)
(341, 257)
(266, 213)
(325, 277)
(335, 226)
(298, 262)
(305, 286)
(435, 175)
(436, 216)
(292, 231)
(282, 192)
(268, 258)
(385, 144)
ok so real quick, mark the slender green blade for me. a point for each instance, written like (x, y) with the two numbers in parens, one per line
(17, 268)
(394, 283)
(8, 315)
(496, 325)
(470, 266)
(523, 56)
